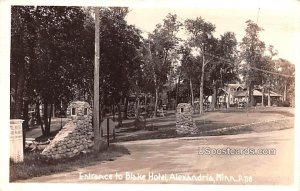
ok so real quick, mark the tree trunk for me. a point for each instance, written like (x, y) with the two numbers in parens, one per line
(137, 101)
(214, 97)
(155, 80)
(269, 97)
(137, 108)
(228, 100)
(251, 98)
(201, 86)
(192, 94)
(120, 115)
(156, 102)
(37, 113)
(126, 107)
(45, 116)
(169, 95)
(269, 94)
(177, 90)
(113, 111)
(14, 87)
(50, 116)
(285, 91)
(262, 97)
(25, 116)
(19, 93)
(38, 117)
(53, 110)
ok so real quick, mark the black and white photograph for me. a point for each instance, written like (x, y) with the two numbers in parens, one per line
(201, 93)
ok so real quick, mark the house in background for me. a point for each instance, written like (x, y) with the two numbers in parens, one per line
(259, 96)
(236, 94)
(231, 95)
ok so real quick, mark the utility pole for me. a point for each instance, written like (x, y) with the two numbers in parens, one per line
(96, 108)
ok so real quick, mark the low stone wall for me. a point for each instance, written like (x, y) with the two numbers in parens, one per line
(76, 136)
(184, 121)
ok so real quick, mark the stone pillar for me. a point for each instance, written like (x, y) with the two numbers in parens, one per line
(16, 140)
(184, 121)
(76, 136)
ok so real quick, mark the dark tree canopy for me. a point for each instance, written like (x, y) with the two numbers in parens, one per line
(52, 58)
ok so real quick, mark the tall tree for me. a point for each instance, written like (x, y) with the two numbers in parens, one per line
(190, 69)
(120, 57)
(224, 68)
(267, 79)
(55, 54)
(21, 55)
(161, 43)
(58, 64)
(201, 38)
(252, 51)
(285, 83)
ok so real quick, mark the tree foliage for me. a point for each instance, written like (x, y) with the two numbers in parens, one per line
(52, 58)
(120, 61)
(55, 52)
(161, 44)
(252, 52)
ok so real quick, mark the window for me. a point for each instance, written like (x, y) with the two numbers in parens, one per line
(181, 110)
(73, 111)
(85, 111)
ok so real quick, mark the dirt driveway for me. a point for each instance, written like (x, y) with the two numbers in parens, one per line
(177, 160)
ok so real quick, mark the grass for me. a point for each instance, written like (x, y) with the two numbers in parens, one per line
(264, 110)
(224, 122)
(247, 128)
(35, 165)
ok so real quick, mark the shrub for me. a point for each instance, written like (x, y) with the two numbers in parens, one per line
(286, 104)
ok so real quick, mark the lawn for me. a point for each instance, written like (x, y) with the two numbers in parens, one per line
(224, 122)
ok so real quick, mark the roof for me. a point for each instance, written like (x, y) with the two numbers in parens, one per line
(222, 91)
(241, 93)
(273, 94)
(235, 85)
(257, 93)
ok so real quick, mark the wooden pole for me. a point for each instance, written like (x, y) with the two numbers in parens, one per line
(96, 108)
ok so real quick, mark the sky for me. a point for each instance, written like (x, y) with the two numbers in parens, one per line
(280, 19)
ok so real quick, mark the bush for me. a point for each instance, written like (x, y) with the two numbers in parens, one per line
(277, 103)
(234, 105)
(286, 104)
